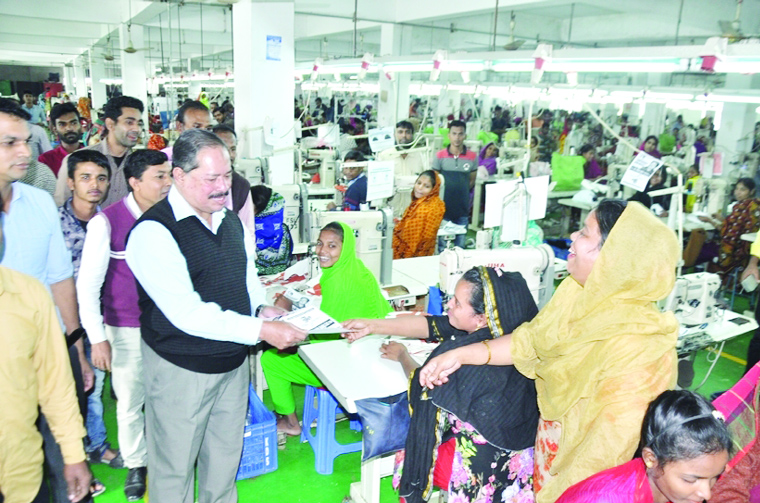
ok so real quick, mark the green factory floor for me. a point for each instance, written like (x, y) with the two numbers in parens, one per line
(296, 481)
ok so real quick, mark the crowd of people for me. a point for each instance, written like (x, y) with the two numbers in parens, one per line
(145, 263)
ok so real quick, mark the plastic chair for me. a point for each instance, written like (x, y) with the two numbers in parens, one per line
(323, 442)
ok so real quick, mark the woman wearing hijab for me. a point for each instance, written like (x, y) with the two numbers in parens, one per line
(488, 155)
(493, 443)
(599, 351)
(349, 290)
(650, 146)
(416, 233)
(273, 241)
(656, 182)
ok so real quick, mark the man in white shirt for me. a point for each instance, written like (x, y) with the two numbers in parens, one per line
(200, 299)
(114, 331)
(407, 166)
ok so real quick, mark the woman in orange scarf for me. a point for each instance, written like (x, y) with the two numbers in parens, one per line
(415, 234)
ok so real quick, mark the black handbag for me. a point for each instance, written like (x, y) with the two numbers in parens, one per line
(385, 423)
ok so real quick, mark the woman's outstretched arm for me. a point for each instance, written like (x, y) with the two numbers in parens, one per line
(492, 352)
(404, 326)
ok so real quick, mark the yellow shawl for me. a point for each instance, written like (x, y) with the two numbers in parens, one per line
(601, 353)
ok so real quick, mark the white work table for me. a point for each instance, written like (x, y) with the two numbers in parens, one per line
(726, 325)
(425, 270)
(352, 372)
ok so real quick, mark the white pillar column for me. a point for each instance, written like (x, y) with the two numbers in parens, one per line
(97, 72)
(133, 73)
(393, 105)
(194, 89)
(653, 121)
(737, 121)
(735, 132)
(264, 47)
(68, 80)
(79, 77)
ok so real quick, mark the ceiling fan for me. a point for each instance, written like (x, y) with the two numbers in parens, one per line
(732, 30)
(513, 44)
(130, 47)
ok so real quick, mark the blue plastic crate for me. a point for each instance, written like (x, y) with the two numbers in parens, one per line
(259, 440)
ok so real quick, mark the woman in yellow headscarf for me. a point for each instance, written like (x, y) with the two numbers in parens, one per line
(599, 351)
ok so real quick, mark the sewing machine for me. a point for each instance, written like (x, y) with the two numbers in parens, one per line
(711, 195)
(693, 298)
(374, 236)
(327, 165)
(252, 170)
(294, 214)
(536, 264)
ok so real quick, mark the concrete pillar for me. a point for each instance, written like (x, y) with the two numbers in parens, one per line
(653, 121)
(735, 133)
(737, 120)
(97, 72)
(133, 73)
(264, 47)
(393, 103)
(68, 80)
(194, 89)
(79, 78)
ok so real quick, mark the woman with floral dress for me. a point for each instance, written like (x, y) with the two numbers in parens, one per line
(474, 436)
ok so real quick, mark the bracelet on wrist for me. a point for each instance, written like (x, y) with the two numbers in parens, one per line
(489, 352)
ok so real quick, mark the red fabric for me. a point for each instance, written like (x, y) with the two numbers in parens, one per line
(54, 158)
(443, 464)
(626, 483)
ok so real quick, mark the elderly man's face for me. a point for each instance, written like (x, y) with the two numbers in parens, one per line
(206, 187)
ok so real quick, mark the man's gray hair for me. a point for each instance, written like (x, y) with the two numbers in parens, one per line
(189, 144)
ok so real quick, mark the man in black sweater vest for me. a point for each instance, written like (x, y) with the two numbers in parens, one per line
(200, 299)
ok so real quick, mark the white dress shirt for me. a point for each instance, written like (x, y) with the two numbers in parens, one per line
(96, 255)
(158, 264)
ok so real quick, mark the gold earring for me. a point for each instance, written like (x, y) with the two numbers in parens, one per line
(648, 464)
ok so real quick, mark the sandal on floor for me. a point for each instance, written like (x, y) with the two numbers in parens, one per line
(96, 457)
(96, 488)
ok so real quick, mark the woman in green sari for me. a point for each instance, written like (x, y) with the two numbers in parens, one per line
(349, 290)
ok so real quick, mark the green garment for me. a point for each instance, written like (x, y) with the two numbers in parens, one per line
(349, 281)
(349, 290)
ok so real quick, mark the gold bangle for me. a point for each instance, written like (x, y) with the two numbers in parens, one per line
(489, 352)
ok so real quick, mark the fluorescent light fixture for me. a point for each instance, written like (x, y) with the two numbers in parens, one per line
(737, 67)
(462, 66)
(425, 89)
(729, 98)
(408, 67)
(656, 96)
(513, 65)
(342, 68)
(617, 65)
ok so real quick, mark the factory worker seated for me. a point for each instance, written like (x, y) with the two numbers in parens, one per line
(356, 187)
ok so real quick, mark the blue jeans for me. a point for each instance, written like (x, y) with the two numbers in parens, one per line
(96, 428)
(459, 239)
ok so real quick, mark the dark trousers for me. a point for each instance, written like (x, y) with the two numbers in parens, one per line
(58, 489)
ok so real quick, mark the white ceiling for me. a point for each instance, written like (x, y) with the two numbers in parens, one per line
(52, 33)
